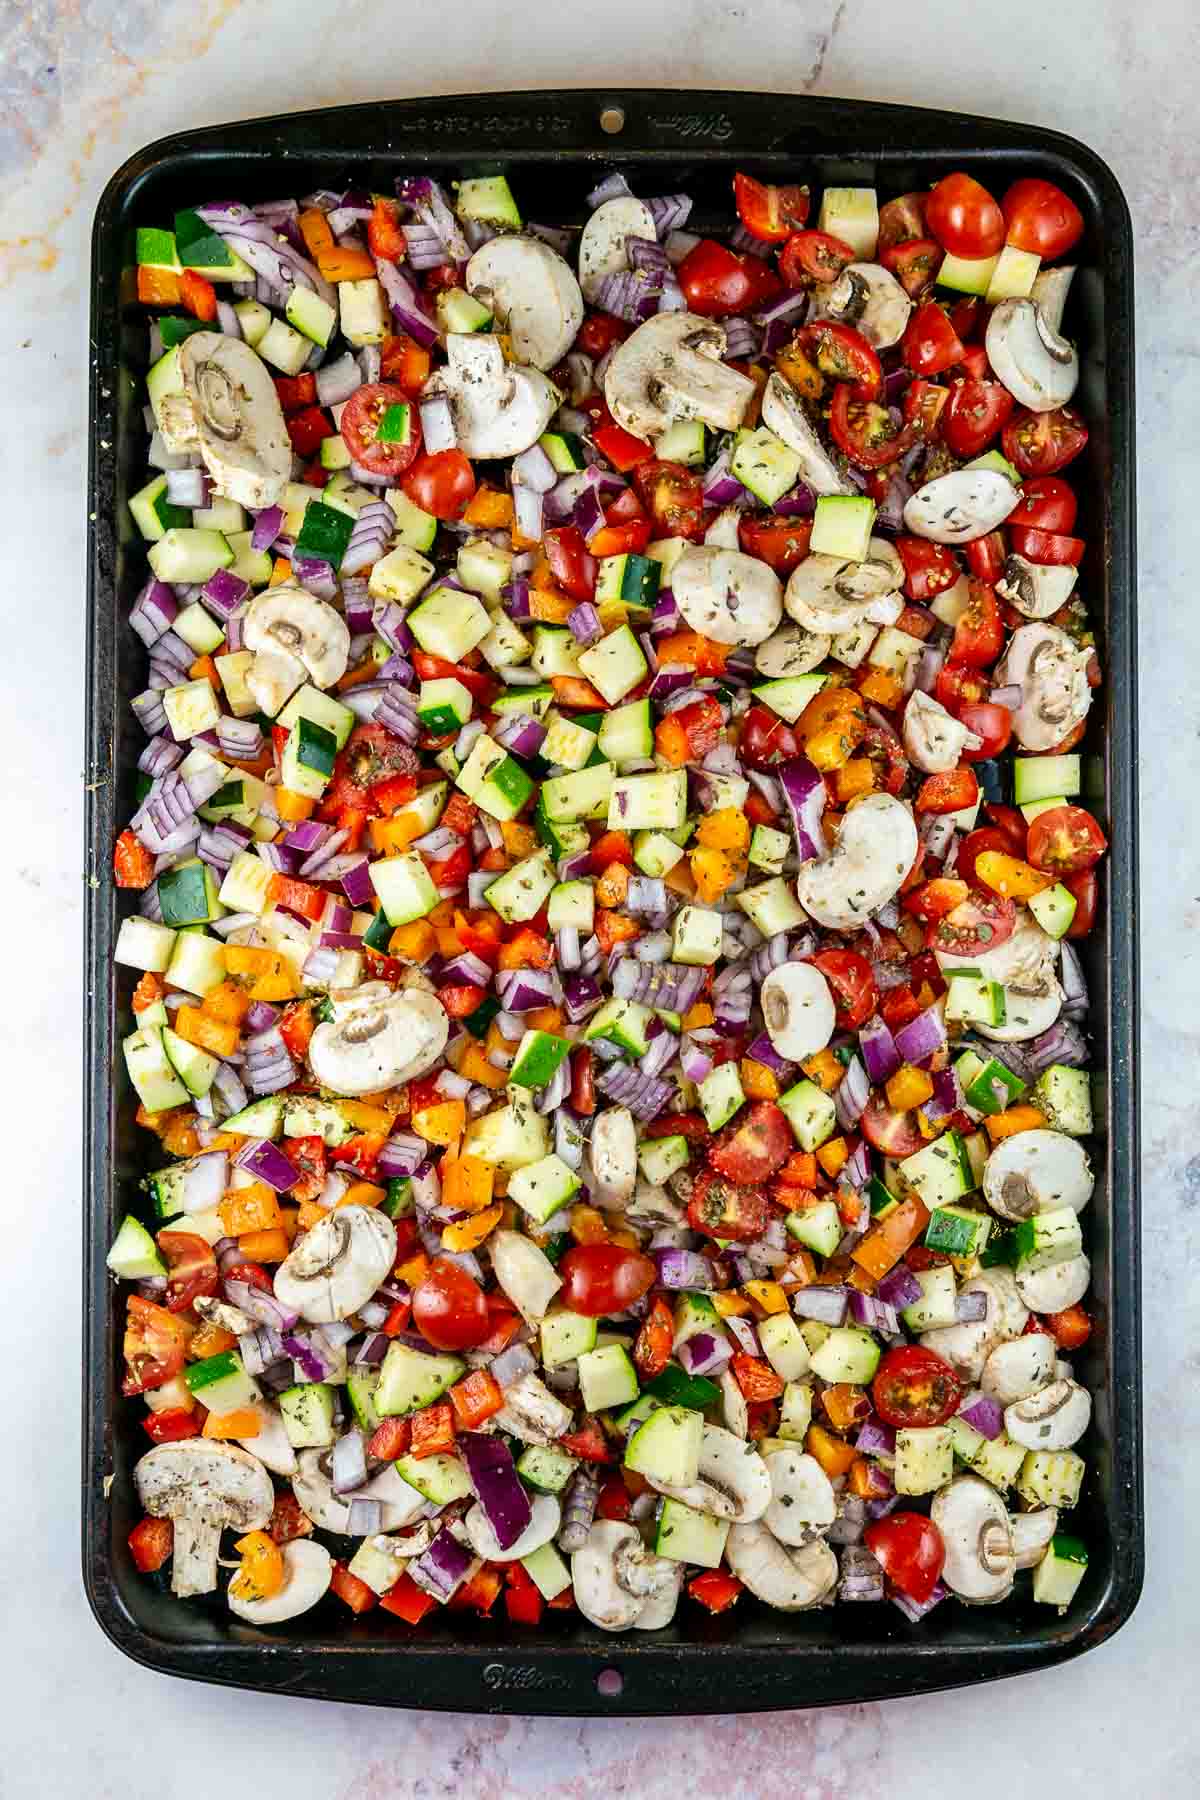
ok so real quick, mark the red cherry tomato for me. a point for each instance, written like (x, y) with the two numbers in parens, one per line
(991, 723)
(191, 1266)
(449, 1308)
(1011, 822)
(948, 792)
(983, 921)
(864, 430)
(765, 739)
(1043, 443)
(571, 562)
(986, 556)
(1086, 890)
(974, 415)
(781, 543)
(900, 220)
(674, 497)
(934, 899)
(843, 354)
(751, 1150)
(929, 568)
(154, 1347)
(717, 282)
(1046, 546)
(979, 633)
(1047, 504)
(964, 218)
(923, 404)
(442, 483)
(958, 684)
(895, 1134)
(371, 755)
(915, 1386)
(914, 264)
(364, 414)
(1041, 219)
(930, 343)
(721, 1208)
(769, 213)
(909, 1548)
(852, 984)
(604, 1278)
(599, 332)
(813, 256)
(1065, 841)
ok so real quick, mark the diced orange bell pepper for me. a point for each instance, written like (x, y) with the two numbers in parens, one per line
(572, 690)
(614, 928)
(672, 743)
(243, 1423)
(210, 1340)
(441, 1124)
(206, 1033)
(364, 1115)
(881, 689)
(413, 1270)
(180, 1137)
(730, 1305)
(833, 1156)
(308, 1214)
(758, 1082)
(725, 829)
(825, 1069)
(467, 1183)
(229, 1003)
(679, 879)
(468, 1234)
(550, 607)
(1013, 1120)
(475, 1398)
(833, 1453)
(345, 263)
(316, 231)
(768, 1296)
(198, 295)
(362, 1193)
(433, 1430)
(908, 1087)
(845, 1404)
(476, 1067)
(613, 885)
(888, 1239)
(588, 1225)
(697, 1016)
(1010, 876)
(713, 872)
(246, 1209)
(803, 375)
(693, 651)
(270, 1246)
(262, 1570)
(854, 778)
(157, 287)
(292, 808)
(391, 836)
(413, 943)
(489, 509)
(519, 840)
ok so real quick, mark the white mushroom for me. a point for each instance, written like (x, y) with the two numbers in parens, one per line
(205, 1487)
(670, 368)
(1050, 668)
(967, 1347)
(612, 1153)
(933, 738)
(337, 1265)
(726, 595)
(1019, 1368)
(378, 1038)
(612, 1564)
(1050, 290)
(1036, 589)
(830, 595)
(307, 1572)
(499, 408)
(789, 1580)
(219, 1312)
(1054, 1289)
(546, 1517)
(790, 651)
(876, 847)
(868, 297)
(1025, 962)
(1052, 1419)
(961, 506)
(1039, 368)
(270, 1443)
(1037, 1172)
(1026, 1016)
(401, 1504)
(783, 413)
(602, 244)
(725, 531)
(802, 1498)
(972, 1518)
(533, 294)
(659, 1609)
(1031, 1534)
(732, 1482)
(532, 1413)
(286, 625)
(734, 1410)
(236, 420)
(798, 1009)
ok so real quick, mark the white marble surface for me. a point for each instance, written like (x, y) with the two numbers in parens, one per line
(82, 84)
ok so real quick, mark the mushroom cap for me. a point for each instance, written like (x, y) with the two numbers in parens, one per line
(789, 1580)
(876, 847)
(206, 1480)
(933, 738)
(732, 1481)
(533, 293)
(960, 507)
(238, 421)
(1027, 1016)
(868, 297)
(289, 621)
(1031, 1534)
(1019, 1368)
(311, 1485)
(307, 1572)
(546, 1517)
(830, 595)
(727, 595)
(783, 413)
(1053, 1418)
(802, 1497)
(602, 243)
(1036, 1172)
(499, 408)
(967, 1347)
(1036, 589)
(1025, 961)
(377, 1038)
(973, 1520)
(1051, 671)
(598, 1594)
(790, 651)
(1039, 368)
(271, 1444)
(670, 368)
(798, 1010)
(337, 1265)
(1055, 1288)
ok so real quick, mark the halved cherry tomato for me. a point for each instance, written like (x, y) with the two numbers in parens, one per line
(914, 1386)
(571, 563)
(154, 1347)
(604, 1278)
(896, 1134)
(974, 415)
(191, 1266)
(963, 217)
(923, 405)
(767, 212)
(958, 684)
(991, 723)
(983, 921)
(901, 220)
(852, 985)
(1087, 893)
(813, 256)
(979, 633)
(364, 413)
(441, 483)
(948, 792)
(1040, 218)
(449, 1309)
(1043, 443)
(674, 496)
(720, 1208)
(914, 263)
(864, 430)
(930, 342)
(781, 543)
(886, 752)
(987, 837)
(843, 354)
(986, 557)
(910, 1550)
(1046, 504)
(370, 755)
(1065, 841)
(1012, 823)
(599, 332)
(929, 568)
(717, 282)
(652, 1351)
(1047, 547)
(760, 1141)
(765, 739)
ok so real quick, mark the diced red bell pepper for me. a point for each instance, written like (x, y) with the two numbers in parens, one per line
(170, 1426)
(390, 1439)
(407, 1601)
(349, 1589)
(433, 1430)
(150, 1544)
(715, 1589)
(307, 429)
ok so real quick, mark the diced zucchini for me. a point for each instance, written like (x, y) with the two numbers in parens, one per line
(698, 935)
(818, 1228)
(687, 1536)
(924, 1459)
(648, 802)
(811, 1114)
(1064, 1095)
(1058, 1575)
(764, 464)
(852, 214)
(938, 1303)
(614, 665)
(721, 1094)
(1045, 777)
(772, 906)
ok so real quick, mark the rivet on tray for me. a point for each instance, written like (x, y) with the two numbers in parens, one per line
(612, 120)
(609, 1683)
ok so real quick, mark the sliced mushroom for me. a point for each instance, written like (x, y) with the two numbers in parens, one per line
(270, 1443)
(1025, 962)
(783, 413)
(220, 1312)
(876, 847)
(868, 297)
(499, 408)
(603, 243)
(612, 1153)
(273, 678)
(827, 594)
(533, 294)
(1026, 1016)
(789, 1580)
(1031, 1534)
(525, 1273)
(790, 651)
(962, 506)
(725, 531)
(1054, 1289)
(337, 1265)
(1019, 1368)
(659, 1609)
(1050, 668)
(307, 1572)
(1037, 1172)
(1050, 290)
(734, 1410)
(290, 623)
(733, 1482)
(401, 1504)
(967, 1347)
(972, 1518)
(532, 1413)
(670, 368)
(541, 1529)
(1039, 368)
(605, 1572)
(727, 595)
(1036, 589)
(802, 1498)
(639, 1572)
(236, 419)
(378, 1038)
(205, 1487)
(1052, 1419)
(933, 738)
(798, 1009)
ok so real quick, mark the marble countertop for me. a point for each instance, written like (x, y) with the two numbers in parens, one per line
(81, 86)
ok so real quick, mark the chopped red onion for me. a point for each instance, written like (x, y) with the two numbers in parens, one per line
(494, 1477)
(825, 1304)
(805, 794)
(705, 1354)
(267, 1163)
(685, 1269)
(852, 1093)
(983, 1414)
(922, 1036)
(874, 1313)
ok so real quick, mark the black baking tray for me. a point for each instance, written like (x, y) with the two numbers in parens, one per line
(555, 146)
